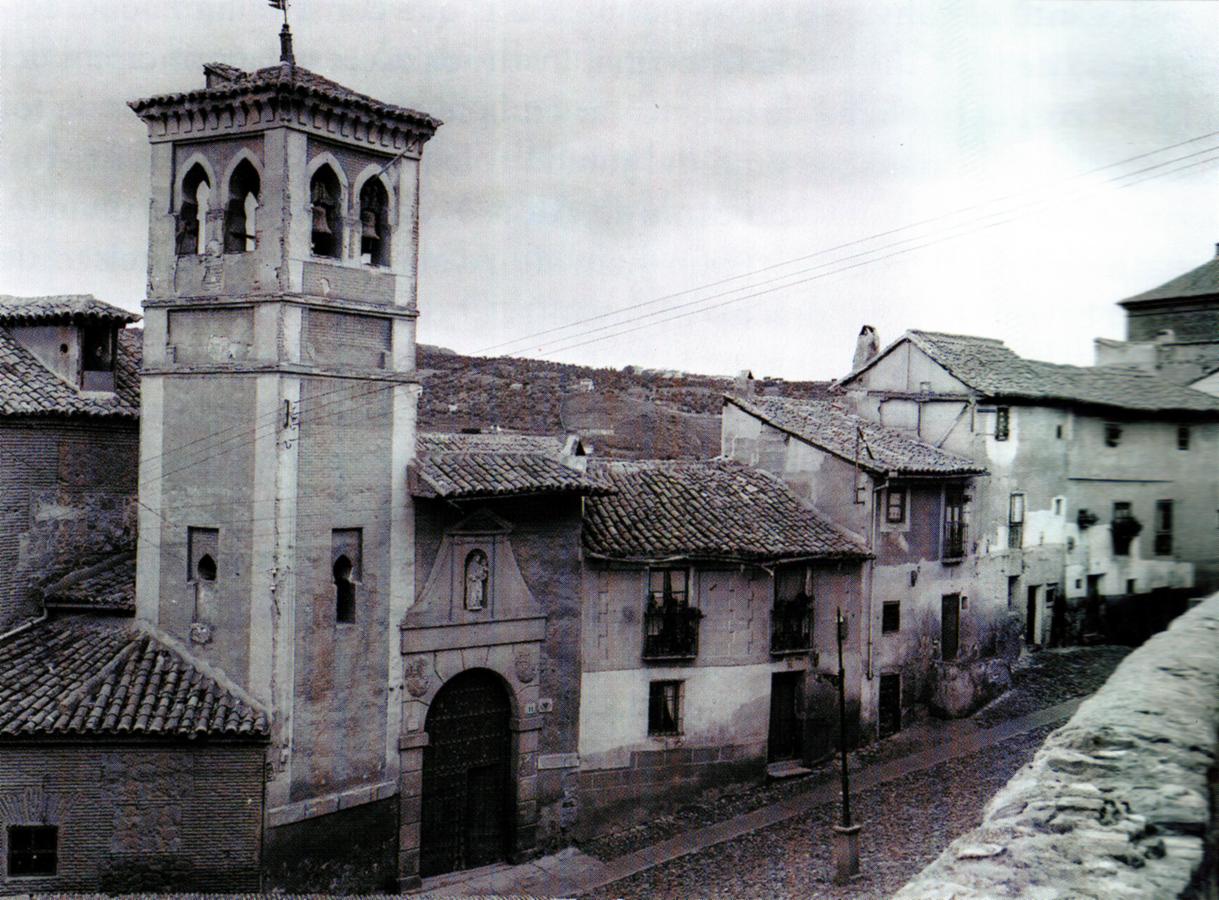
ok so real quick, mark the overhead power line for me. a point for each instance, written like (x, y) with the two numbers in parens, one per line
(863, 240)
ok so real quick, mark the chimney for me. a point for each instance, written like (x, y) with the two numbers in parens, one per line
(285, 46)
(867, 345)
(743, 383)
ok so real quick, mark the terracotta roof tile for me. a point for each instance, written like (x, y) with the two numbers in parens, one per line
(1199, 282)
(228, 81)
(456, 475)
(28, 388)
(874, 447)
(60, 307)
(712, 510)
(491, 442)
(107, 585)
(991, 368)
(84, 675)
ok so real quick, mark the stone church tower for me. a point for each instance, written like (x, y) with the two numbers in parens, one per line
(279, 406)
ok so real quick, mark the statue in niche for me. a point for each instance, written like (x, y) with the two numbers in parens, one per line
(478, 573)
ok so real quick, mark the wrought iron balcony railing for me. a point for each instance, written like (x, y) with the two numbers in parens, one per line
(671, 632)
(791, 628)
(954, 541)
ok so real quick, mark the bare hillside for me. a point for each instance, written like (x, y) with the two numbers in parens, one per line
(628, 413)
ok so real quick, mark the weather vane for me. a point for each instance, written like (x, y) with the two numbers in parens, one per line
(285, 36)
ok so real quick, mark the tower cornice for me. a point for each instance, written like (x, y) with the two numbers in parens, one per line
(284, 96)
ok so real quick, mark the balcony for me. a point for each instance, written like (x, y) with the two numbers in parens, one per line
(954, 542)
(671, 632)
(791, 628)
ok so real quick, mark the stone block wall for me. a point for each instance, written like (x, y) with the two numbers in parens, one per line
(1121, 802)
(134, 818)
(67, 493)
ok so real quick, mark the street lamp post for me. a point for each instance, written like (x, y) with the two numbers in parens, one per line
(846, 835)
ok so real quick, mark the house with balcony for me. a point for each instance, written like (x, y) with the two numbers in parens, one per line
(1099, 511)
(934, 614)
(708, 648)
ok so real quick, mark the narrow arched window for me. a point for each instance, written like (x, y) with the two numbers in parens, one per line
(206, 569)
(374, 224)
(239, 224)
(191, 232)
(325, 194)
(344, 591)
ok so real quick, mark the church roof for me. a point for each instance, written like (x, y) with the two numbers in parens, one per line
(28, 388)
(108, 677)
(224, 81)
(715, 509)
(59, 308)
(454, 466)
(1200, 282)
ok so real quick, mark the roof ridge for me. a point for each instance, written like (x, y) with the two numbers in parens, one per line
(216, 674)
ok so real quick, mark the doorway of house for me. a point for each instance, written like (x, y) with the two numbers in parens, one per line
(786, 726)
(1030, 617)
(466, 799)
(950, 626)
(889, 716)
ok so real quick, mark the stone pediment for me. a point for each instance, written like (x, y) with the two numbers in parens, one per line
(475, 594)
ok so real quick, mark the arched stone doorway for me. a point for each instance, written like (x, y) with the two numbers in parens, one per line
(467, 792)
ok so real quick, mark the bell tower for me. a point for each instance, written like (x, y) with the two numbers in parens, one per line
(278, 410)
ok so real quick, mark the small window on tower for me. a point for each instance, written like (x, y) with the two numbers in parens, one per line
(1182, 437)
(374, 224)
(325, 196)
(202, 549)
(1113, 434)
(347, 551)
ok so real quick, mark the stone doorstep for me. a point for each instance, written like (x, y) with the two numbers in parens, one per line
(787, 768)
(449, 879)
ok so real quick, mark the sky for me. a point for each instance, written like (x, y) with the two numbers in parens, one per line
(597, 156)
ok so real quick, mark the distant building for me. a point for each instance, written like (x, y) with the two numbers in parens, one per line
(69, 439)
(1172, 330)
(933, 616)
(1102, 481)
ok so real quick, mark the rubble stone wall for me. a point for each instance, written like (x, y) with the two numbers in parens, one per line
(1122, 801)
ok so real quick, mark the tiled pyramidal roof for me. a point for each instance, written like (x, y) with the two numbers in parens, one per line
(711, 510)
(989, 367)
(28, 388)
(85, 675)
(455, 466)
(226, 81)
(1200, 282)
(874, 447)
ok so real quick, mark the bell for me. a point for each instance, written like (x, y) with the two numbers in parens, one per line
(368, 219)
(321, 223)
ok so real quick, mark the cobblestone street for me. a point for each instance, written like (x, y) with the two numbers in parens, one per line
(906, 822)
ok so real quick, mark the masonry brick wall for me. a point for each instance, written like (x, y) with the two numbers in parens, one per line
(67, 492)
(137, 817)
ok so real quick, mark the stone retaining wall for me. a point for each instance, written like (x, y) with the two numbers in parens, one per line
(1121, 802)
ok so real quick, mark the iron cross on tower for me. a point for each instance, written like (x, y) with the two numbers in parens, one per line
(285, 35)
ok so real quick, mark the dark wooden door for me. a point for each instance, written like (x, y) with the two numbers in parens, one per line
(1030, 617)
(466, 802)
(890, 714)
(950, 625)
(786, 726)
